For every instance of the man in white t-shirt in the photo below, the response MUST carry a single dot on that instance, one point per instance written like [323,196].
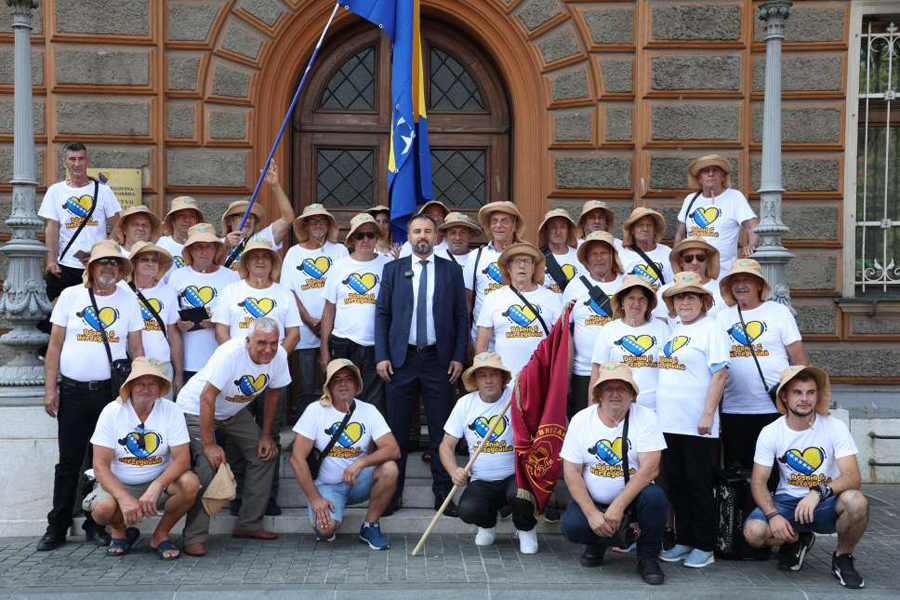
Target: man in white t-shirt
[818,491]
[213,401]
[596,215]
[642,253]
[614,433]
[556,239]
[458,230]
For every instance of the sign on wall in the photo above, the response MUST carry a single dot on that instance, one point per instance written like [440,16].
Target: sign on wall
[125,183]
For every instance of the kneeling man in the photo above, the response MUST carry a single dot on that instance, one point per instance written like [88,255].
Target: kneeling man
[818,491]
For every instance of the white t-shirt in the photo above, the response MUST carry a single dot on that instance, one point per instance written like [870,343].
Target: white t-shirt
[805,458]
[83,356]
[68,206]
[353,289]
[194,290]
[570,266]
[635,265]
[318,423]
[119,428]
[718,221]
[164,301]
[169,244]
[771,328]
[266,233]
[686,365]
[589,318]
[487,280]
[517,332]
[238,379]
[472,419]
[239,305]
[440,248]
[305,272]
[457,259]
[638,348]
[662,310]
[589,442]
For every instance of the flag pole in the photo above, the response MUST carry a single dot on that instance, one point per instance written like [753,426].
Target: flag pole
[468,469]
[232,255]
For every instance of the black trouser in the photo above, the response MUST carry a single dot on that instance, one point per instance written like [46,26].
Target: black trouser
[481,500]
[364,358]
[421,373]
[308,383]
[688,462]
[68,276]
[578,394]
[739,435]
[79,410]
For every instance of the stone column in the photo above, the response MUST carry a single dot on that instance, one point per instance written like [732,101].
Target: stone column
[770,252]
[24,302]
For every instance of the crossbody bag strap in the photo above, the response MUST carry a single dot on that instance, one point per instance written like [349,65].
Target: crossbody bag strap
[475,271]
[752,351]
[84,221]
[102,328]
[597,294]
[531,308]
[626,474]
[649,262]
[554,269]
[338,432]
[162,326]
[687,214]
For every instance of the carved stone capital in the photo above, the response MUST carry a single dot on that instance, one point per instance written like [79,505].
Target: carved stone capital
[22,12]
[774,13]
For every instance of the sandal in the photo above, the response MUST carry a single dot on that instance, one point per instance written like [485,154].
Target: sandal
[120,547]
[166,546]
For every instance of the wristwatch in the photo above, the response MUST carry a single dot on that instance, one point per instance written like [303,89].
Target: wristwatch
[824,491]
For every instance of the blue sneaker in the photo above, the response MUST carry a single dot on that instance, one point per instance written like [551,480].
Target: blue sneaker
[370,533]
[675,553]
[698,559]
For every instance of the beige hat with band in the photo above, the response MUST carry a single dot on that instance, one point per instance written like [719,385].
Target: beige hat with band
[596,237]
[613,371]
[443,206]
[484,216]
[561,213]
[823,385]
[180,203]
[687,281]
[710,160]
[165,259]
[333,367]
[589,206]
[141,366]
[522,248]
[203,232]
[743,265]
[315,210]
[257,244]
[107,249]
[358,221]
[238,207]
[696,243]
[628,282]
[220,491]
[118,232]
[636,215]
[485,360]
[458,219]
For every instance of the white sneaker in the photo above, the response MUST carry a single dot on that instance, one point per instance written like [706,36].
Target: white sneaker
[485,537]
[528,542]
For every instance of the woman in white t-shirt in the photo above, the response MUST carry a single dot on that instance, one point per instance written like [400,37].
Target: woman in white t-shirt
[698,256]
[385,245]
[556,239]
[183,214]
[693,368]
[142,462]
[136,224]
[643,231]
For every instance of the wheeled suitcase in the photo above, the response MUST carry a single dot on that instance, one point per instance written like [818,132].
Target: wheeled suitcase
[734,502]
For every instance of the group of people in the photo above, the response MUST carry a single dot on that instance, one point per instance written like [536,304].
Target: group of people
[669,346]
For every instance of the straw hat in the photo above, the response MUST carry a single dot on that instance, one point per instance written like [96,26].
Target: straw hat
[237,208]
[484,216]
[140,366]
[202,232]
[822,384]
[522,248]
[687,281]
[456,219]
[596,237]
[358,221]
[333,367]
[118,232]
[696,243]
[180,203]
[561,213]
[313,210]
[260,244]
[220,491]
[743,265]
[595,205]
[636,215]
[165,259]
[485,360]
[710,160]
[378,208]
[628,282]
[107,249]
[614,371]
[434,203]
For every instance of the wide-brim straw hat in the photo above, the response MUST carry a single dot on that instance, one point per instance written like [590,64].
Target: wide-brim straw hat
[522,248]
[378,208]
[165,258]
[571,239]
[107,249]
[687,281]
[180,203]
[203,232]
[710,160]
[315,210]
[260,244]
[434,203]
[596,237]
[743,265]
[333,367]
[485,360]
[145,365]
[504,206]
[220,491]
[823,385]
[118,232]
[636,215]
[614,371]
[595,205]
[458,219]
[628,282]
[696,243]
[358,221]
[238,207]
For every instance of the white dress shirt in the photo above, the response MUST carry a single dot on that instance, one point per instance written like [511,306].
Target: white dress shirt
[429,311]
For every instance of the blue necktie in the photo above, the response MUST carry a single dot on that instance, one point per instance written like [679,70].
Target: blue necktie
[422,307]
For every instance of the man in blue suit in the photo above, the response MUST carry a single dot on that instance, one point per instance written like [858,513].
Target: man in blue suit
[421,334]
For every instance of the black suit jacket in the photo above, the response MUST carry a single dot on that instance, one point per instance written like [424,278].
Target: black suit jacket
[394,312]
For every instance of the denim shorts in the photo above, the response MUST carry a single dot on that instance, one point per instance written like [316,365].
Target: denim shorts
[341,494]
[824,515]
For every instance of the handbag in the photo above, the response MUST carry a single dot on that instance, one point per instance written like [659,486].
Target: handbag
[159,321]
[531,307]
[771,391]
[120,369]
[624,535]
[554,269]
[314,458]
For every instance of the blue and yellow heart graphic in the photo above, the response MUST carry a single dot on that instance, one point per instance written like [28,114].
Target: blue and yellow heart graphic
[747,336]
[361,284]
[108,316]
[493,271]
[316,268]
[805,462]
[258,307]
[80,207]
[636,345]
[673,345]
[132,442]
[250,385]
[352,433]
[178,261]
[495,426]
[704,217]
[596,308]
[648,272]
[608,452]
[520,315]
[199,297]
[568,270]
[155,305]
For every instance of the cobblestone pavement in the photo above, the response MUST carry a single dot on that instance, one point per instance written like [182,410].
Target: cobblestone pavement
[295,566]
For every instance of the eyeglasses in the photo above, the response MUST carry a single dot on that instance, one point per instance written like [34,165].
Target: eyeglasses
[107,261]
[689,258]
[522,260]
[361,235]
[150,258]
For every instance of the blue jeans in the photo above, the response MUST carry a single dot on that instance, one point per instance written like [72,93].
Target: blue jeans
[341,494]
[824,516]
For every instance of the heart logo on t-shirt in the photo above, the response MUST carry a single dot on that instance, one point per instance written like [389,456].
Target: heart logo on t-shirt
[636,345]
[108,316]
[676,343]
[520,315]
[567,270]
[316,268]
[747,336]
[596,308]
[155,305]
[132,441]
[199,297]
[608,452]
[493,271]
[361,283]
[705,217]
[493,426]
[648,272]
[250,385]
[177,261]
[258,307]
[80,207]
[805,462]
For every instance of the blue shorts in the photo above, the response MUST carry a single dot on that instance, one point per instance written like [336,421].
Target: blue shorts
[824,516]
[341,494]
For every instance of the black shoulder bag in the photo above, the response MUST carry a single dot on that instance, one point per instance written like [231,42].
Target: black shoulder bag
[687,213]
[597,295]
[554,269]
[624,535]
[650,264]
[120,369]
[162,326]
[84,221]
[771,391]
[314,458]
[531,308]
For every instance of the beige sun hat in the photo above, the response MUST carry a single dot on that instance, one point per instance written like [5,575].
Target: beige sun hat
[522,248]
[333,367]
[165,259]
[457,219]
[687,281]
[743,265]
[220,491]
[710,160]
[107,249]
[571,239]
[180,203]
[203,232]
[260,244]
[434,203]
[378,208]
[823,384]
[596,237]
[145,365]
[594,205]
[363,218]
[636,215]
[237,208]
[118,232]
[504,206]
[314,210]
[628,282]
[696,243]
[485,360]
[614,371]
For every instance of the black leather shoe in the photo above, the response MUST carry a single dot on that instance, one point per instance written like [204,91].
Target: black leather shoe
[452,509]
[395,505]
[272,508]
[593,556]
[51,540]
[96,534]
[650,571]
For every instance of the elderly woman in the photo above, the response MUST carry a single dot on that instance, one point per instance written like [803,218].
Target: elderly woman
[385,245]
[693,368]
[136,224]
[596,215]
[642,254]
[556,239]
[696,255]
[142,463]
[635,338]
[77,356]
[183,214]
[520,314]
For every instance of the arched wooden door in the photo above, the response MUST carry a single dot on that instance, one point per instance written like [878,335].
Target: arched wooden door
[342,126]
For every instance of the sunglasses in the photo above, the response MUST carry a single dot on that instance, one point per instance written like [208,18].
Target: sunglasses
[689,258]
[361,235]
[108,261]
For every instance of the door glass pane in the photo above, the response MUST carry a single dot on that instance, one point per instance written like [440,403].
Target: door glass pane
[459,176]
[452,88]
[345,177]
[352,87]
